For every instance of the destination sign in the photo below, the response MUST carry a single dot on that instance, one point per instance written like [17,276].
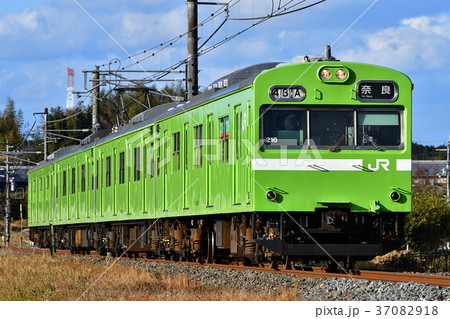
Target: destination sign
[287,93]
[377,91]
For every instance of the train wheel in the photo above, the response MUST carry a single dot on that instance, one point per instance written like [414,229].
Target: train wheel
[274,264]
[211,247]
[287,263]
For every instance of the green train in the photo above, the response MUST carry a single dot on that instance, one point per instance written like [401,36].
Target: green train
[275,162]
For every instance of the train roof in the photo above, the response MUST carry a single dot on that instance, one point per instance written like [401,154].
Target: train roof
[224,85]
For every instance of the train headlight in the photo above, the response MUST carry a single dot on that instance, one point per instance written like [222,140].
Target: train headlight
[340,74]
[325,74]
[271,195]
[394,196]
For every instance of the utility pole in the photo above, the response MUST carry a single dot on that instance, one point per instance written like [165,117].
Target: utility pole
[447,167]
[192,49]
[8,205]
[95,98]
[45,134]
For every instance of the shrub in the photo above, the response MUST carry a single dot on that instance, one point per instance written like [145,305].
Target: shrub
[428,225]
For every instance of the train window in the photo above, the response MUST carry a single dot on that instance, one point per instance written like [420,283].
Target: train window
[224,135]
[64,183]
[73,180]
[92,176]
[198,146]
[152,160]
[284,127]
[186,146]
[176,152]
[333,128]
[379,128]
[158,158]
[122,167]
[96,176]
[137,164]
[108,171]
[83,178]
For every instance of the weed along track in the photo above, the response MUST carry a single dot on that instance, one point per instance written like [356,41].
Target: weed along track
[309,283]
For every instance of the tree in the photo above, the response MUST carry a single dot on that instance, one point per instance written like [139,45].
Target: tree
[428,224]
[426,152]
[10,123]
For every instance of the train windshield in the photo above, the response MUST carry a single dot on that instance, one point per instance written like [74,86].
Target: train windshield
[345,128]
[284,127]
[380,128]
[330,128]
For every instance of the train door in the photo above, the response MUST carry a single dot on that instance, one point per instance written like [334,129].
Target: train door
[106,184]
[57,197]
[71,192]
[165,168]
[98,186]
[149,181]
[209,157]
[91,209]
[114,182]
[185,166]
[247,124]
[144,177]
[236,155]
[79,194]
[50,197]
[158,183]
[121,189]
[136,182]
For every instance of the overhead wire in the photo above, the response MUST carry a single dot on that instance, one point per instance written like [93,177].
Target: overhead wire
[279,11]
[225,40]
[25,138]
[164,45]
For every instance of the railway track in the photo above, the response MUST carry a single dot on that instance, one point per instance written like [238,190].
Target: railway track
[443,281]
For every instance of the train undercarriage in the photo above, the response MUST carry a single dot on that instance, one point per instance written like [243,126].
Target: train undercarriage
[286,238]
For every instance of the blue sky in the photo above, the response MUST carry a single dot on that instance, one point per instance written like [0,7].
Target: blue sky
[41,38]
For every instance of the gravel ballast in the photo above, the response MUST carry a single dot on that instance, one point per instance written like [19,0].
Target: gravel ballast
[308,288]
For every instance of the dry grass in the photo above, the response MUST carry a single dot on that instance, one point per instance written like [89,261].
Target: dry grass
[15,233]
[35,277]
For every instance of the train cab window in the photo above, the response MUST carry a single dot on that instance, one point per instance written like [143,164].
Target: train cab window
[284,126]
[380,128]
[329,128]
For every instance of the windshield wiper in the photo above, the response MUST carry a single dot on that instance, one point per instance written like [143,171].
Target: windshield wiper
[333,148]
[370,139]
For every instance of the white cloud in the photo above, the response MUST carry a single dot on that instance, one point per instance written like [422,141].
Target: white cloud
[418,41]
[14,23]
[137,28]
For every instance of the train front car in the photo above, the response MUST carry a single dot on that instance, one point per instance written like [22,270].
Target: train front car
[332,172]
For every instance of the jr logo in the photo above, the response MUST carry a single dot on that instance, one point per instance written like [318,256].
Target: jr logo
[384,163]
